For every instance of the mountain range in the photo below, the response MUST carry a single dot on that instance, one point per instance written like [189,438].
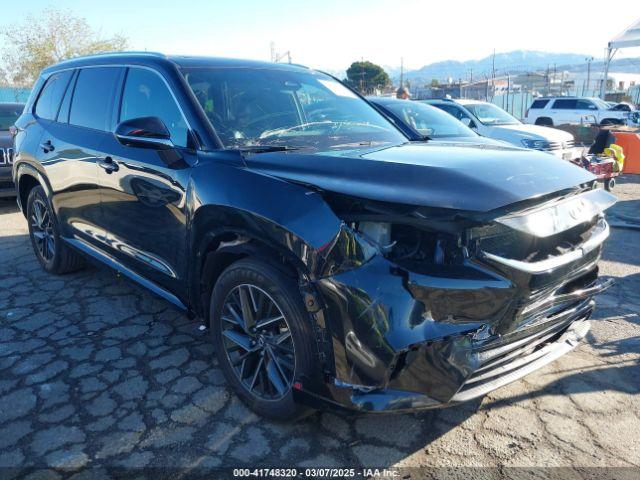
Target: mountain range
[509,62]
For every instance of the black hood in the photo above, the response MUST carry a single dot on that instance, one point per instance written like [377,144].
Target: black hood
[459,176]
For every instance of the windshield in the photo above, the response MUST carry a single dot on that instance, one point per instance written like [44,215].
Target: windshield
[601,104]
[9,113]
[428,120]
[251,107]
[489,114]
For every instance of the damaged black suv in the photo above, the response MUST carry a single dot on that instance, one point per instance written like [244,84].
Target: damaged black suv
[337,262]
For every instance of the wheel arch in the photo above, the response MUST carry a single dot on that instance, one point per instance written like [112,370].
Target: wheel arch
[217,243]
[26,179]
[544,121]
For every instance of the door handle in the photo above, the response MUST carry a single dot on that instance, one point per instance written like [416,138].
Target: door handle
[108,164]
[47,146]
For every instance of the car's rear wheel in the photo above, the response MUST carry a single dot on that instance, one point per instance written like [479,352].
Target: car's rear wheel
[262,337]
[544,122]
[51,252]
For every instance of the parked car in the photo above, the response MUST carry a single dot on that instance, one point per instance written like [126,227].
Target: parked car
[9,113]
[491,121]
[421,121]
[549,111]
[337,263]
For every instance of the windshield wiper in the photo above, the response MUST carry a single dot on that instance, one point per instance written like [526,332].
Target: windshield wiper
[265,148]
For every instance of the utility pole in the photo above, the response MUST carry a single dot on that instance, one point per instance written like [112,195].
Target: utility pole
[548,79]
[493,74]
[589,60]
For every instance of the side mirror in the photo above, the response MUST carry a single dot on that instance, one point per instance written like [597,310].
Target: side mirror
[467,122]
[144,132]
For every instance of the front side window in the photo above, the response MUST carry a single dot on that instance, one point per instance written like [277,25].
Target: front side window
[489,114]
[586,105]
[428,120]
[91,105]
[146,95]
[272,107]
[49,100]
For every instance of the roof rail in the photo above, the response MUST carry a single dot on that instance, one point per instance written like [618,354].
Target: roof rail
[114,54]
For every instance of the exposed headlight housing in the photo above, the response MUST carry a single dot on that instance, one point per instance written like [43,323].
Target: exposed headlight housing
[535,144]
[551,219]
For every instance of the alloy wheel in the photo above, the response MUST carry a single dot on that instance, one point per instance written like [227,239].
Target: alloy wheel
[258,342]
[42,230]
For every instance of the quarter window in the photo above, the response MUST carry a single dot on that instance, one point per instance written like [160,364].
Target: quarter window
[51,95]
[93,97]
[539,104]
[146,95]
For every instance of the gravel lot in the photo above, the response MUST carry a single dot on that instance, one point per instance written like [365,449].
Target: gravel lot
[95,372]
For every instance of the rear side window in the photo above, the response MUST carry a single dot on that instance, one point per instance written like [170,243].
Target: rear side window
[51,95]
[565,104]
[92,101]
[539,104]
[146,95]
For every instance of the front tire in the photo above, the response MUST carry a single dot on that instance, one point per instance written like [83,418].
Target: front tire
[262,337]
[44,231]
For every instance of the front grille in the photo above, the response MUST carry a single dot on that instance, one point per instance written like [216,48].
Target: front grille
[560,145]
[506,242]
[6,156]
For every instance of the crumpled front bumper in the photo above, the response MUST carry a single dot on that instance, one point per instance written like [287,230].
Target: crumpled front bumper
[405,340]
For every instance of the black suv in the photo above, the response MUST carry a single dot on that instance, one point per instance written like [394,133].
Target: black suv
[336,261]
[9,113]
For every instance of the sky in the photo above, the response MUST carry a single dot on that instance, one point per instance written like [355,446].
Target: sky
[330,34]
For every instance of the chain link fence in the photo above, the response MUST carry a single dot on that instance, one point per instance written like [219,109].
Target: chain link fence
[13,94]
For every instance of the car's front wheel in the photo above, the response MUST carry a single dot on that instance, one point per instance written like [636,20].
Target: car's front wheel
[262,337]
[52,253]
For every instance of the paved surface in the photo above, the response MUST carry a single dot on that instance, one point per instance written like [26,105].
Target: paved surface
[95,372]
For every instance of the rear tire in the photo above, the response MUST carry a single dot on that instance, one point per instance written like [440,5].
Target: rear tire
[54,255]
[544,122]
[259,367]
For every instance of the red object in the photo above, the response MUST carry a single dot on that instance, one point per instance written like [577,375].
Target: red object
[630,143]
[601,167]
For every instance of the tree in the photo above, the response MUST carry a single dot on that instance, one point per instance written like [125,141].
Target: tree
[367,76]
[434,82]
[51,37]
